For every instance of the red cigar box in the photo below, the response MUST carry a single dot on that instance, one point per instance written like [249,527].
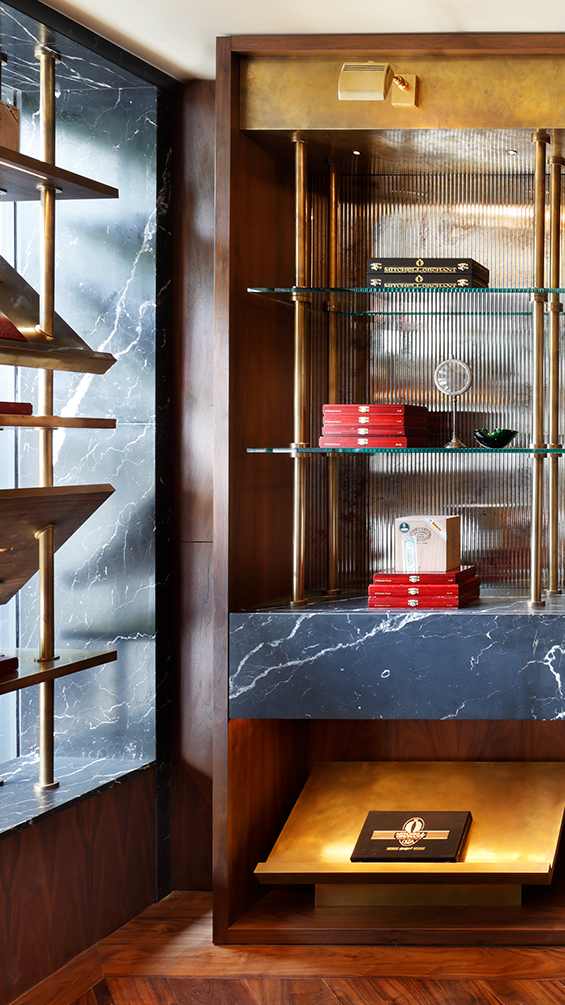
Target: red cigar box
[401,429]
[396,420]
[426,603]
[425,589]
[8,330]
[373,441]
[340,409]
[15,408]
[460,575]
[8,664]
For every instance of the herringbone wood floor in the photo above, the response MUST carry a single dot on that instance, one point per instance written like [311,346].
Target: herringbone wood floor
[166,957]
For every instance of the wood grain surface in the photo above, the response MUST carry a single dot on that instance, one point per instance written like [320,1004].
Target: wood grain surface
[429,43]
[70,880]
[165,956]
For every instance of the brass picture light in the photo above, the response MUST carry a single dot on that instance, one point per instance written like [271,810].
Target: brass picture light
[372,81]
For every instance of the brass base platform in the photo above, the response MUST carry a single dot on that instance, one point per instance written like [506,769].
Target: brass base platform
[517,810]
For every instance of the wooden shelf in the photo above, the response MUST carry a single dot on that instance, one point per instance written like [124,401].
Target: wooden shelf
[65,350]
[25,511]
[55,422]
[288,916]
[69,661]
[20,175]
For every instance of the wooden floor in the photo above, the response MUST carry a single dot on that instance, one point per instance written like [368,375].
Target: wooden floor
[166,957]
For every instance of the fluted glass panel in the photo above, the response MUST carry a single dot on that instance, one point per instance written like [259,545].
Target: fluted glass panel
[390,356]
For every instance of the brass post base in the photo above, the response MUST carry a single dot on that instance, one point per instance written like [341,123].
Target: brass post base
[39,787]
[298,603]
[454,444]
[536,603]
[332,593]
[554,593]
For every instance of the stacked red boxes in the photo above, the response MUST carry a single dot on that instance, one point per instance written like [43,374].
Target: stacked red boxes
[456,588]
[374,426]
[15,408]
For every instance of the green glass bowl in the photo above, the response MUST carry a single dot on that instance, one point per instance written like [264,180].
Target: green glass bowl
[497,439]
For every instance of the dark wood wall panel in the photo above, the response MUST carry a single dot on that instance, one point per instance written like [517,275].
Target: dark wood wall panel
[191,802]
[267,769]
[253,494]
[427,740]
[73,878]
[193,321]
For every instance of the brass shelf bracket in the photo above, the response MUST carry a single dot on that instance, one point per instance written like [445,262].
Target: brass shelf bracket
[333,371]
[540,138]
[555,310]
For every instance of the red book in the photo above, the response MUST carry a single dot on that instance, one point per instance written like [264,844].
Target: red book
[8,330]
[15,408]
[340,409]
[8,664]
[425,589]
[460,575]
[373,441]
[400,429]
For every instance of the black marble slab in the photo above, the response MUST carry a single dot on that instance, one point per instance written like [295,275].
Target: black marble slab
[21,805]
[498,659]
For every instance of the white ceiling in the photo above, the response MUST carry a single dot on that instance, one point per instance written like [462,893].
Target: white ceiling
[178,36]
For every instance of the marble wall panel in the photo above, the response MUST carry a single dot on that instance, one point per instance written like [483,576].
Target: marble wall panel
[105,289]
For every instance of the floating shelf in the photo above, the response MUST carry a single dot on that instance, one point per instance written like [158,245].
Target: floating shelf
[20,175]
[55,422]
[65,350]
[69,661]
[25,511]
[517,810]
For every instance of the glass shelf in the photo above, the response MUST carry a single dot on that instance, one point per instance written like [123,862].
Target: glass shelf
[448,451]
[369,301]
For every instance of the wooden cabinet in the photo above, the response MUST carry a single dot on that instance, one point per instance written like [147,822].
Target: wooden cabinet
[445,189]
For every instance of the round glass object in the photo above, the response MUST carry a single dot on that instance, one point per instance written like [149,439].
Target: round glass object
[452,376]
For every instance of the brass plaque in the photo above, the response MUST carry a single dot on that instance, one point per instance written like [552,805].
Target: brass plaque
[455,92]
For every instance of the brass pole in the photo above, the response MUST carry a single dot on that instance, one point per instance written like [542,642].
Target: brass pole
[540,138]
[300,374]
[555,309]
[47,57]
[333,307]
[46,652]
[46,593]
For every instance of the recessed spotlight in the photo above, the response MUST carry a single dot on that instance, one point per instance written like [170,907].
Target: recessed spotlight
[512,153]
[357,153]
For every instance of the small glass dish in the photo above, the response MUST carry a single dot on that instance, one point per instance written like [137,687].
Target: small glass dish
[497,439]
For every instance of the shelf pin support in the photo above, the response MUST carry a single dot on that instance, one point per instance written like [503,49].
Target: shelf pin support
[555,310]
[333,308]
[300,373]
[541,138]
[48,57]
